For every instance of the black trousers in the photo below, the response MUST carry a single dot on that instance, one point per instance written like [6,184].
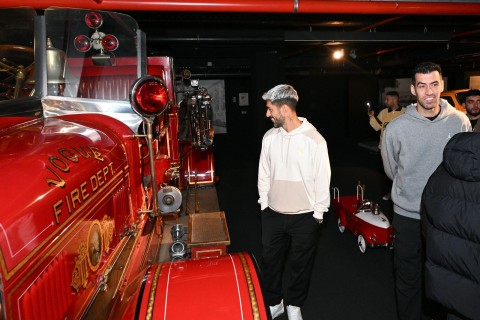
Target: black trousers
[408,265]
[293,237]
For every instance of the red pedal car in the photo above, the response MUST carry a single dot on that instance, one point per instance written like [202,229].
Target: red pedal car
[364,219]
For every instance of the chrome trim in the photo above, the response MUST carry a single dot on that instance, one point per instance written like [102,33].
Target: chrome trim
[295,6]
[121,110]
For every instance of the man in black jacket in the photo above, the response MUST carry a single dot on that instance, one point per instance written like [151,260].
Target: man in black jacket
[451,227]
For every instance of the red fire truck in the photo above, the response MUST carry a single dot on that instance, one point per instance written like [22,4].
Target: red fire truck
[103,215]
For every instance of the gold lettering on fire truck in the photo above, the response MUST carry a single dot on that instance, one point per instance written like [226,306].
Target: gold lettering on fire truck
[68,154]
[80,271]
[59,165]
[79,194]
[107,232]
[90,251]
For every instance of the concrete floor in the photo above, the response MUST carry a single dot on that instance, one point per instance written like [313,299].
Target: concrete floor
[346,284]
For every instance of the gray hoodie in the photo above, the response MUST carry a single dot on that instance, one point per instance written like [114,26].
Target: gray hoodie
[412,149]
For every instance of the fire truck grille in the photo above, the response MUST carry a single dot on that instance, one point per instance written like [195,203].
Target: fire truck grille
[52,285]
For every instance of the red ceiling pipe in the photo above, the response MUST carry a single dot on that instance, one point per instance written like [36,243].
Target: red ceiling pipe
[377,24]
[389,7]
[267,6]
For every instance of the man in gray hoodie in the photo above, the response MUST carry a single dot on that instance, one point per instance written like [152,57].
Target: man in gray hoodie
[412,149]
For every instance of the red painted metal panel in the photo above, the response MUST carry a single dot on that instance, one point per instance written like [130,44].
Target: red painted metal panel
[26,307]
[267,6]
[55,279]
[34,232]
[215,288]
[65,279]
[43,298]
[36,303]
[199,167]
[224,287]
[163,67]
[42,219]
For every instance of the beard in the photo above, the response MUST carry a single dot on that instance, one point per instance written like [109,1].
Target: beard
[278,122]
[473,113]
[428,105]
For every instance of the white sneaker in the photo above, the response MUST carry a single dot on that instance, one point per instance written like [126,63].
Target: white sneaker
[277,310]
[294,313]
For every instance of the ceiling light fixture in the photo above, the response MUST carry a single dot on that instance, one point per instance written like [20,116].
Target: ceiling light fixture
[338,54]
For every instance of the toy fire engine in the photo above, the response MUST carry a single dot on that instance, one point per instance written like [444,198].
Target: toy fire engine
[363,218]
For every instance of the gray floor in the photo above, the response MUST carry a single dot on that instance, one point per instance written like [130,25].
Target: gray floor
[345,284]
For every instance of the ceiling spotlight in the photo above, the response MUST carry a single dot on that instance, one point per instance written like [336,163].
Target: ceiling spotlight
[338,54]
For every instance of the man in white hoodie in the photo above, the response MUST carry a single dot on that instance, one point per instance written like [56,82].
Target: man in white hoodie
[293,184]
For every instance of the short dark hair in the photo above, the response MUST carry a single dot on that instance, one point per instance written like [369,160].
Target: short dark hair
[471,93]
[392,93]
[290,102]
[424,68]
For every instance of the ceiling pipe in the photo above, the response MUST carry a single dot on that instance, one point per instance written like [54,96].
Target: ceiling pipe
[390,7]
[267,6]
[378,24]
[466,33]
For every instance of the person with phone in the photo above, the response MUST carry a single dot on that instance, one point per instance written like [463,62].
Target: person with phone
[392,111]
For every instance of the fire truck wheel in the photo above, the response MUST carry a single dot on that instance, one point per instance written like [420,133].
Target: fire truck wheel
[361,244]
[340,226]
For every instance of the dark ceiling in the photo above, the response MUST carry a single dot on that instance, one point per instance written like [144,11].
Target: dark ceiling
[213,44]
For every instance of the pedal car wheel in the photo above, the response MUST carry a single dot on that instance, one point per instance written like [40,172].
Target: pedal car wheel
[340,227]
[361,243]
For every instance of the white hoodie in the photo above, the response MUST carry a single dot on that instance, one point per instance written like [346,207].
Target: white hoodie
[294,171]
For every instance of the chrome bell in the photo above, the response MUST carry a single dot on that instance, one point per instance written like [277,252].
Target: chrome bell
[55,69]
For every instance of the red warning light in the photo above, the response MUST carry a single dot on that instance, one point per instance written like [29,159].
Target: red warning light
[110,42]
[82,43]
[94,20]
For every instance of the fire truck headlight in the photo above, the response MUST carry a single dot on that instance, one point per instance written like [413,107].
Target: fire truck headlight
[149,96]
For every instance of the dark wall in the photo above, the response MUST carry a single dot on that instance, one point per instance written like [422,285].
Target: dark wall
[323,101]
[334,104]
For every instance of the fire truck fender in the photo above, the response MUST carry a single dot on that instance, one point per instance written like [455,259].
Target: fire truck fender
[224,287]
